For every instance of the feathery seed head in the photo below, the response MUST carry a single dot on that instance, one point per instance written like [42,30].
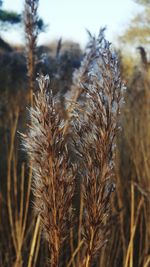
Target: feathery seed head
[53,172]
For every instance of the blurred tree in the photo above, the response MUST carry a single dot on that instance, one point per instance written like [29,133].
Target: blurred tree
[138,32]
[143,2]
[10,17]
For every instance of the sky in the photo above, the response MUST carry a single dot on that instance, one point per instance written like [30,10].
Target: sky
[69,18]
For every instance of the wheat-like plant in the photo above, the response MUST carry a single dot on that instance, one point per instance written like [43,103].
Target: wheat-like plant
[95,141]
[53,172]
[93,135]
[31,34]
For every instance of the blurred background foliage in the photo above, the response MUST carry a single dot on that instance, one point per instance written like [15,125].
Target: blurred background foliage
[138,31]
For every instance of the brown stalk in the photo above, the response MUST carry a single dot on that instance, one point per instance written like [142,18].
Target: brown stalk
[31,34]
[34,240]
[9,201]
[17,216]
[129,250]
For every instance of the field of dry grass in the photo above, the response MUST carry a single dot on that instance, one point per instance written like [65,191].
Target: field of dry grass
[74,166]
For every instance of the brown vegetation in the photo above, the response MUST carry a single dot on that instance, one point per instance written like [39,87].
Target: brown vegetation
[73,165]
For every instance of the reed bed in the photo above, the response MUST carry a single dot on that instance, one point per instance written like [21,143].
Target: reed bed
[83,198]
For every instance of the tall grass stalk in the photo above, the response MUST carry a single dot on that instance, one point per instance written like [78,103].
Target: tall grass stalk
[52,169]
[31,34]
[96,130]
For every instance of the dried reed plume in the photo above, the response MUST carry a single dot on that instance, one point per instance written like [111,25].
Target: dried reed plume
[31,34]
[52,170]
[80,76]
[95,141]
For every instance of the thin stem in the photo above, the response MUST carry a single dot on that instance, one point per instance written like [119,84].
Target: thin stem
[34,240]
[89,256]
[75,252]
